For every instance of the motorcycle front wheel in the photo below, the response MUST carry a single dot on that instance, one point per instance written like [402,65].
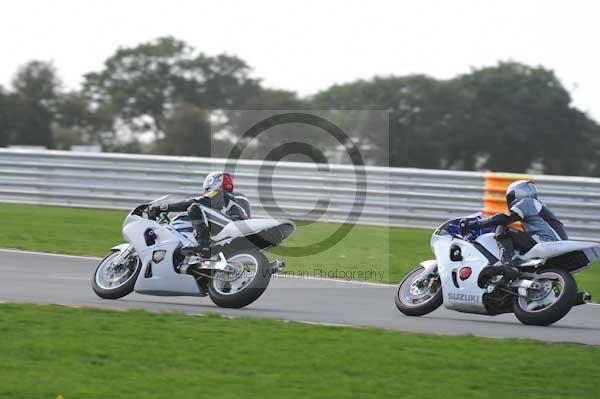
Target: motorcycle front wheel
[414,300]
[246,285]
[115,280]
[550,301]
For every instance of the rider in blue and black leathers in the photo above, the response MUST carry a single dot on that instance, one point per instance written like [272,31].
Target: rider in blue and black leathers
[538,220]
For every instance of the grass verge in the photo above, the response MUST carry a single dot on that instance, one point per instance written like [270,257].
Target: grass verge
[85,353]
[365,253]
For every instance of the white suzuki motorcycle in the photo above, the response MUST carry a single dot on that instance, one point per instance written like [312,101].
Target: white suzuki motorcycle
[152,263]
[543,294]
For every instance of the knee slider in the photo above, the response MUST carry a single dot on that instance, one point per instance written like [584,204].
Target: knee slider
[501,232]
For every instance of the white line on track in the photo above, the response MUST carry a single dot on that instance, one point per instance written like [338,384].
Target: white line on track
[299,278]
[335,280]
[19,251]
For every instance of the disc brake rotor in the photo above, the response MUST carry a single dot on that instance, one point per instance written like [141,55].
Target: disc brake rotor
[420,289]
[543,296]
[114,274]
[235,272]
[540,293]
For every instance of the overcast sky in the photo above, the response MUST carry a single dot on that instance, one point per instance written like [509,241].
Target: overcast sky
[308,45]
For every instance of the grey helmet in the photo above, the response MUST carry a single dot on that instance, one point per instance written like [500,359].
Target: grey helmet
[519,190]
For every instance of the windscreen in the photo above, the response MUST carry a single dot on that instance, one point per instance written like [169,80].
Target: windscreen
[168,199]
[451,227]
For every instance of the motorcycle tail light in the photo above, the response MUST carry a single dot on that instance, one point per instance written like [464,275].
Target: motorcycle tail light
[465,273]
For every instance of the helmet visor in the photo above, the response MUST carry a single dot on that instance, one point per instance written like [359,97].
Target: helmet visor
[510,198]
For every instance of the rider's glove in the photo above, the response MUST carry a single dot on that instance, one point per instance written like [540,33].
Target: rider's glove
[468,225]
[154,210]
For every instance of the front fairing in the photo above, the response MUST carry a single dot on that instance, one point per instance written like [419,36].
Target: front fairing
[158,275]
[140,212]
[461,295]
[129,220]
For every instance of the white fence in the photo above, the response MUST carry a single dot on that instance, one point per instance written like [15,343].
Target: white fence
[337,193]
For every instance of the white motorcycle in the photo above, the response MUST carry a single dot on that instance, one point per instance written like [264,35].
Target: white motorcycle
[543,294]
[152,263]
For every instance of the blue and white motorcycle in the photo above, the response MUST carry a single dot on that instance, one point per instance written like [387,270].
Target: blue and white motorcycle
[151,262]
[543,294]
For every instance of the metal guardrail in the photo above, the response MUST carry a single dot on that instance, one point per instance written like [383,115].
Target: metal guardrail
[333,193]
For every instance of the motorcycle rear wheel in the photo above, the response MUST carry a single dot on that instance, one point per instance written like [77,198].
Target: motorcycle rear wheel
[552,307]
[248,287]
[417,305]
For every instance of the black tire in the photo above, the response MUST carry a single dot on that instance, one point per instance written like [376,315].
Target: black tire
[117,292]
[252,291]
[554,312]
[420,309]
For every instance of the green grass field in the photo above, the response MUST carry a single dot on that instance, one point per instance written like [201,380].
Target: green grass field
[47,351]
[372,253]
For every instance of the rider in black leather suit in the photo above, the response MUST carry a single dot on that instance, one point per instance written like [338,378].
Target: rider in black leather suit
[219,195]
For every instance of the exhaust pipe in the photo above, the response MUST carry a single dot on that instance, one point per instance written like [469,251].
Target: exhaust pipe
[277,265]
[582,298]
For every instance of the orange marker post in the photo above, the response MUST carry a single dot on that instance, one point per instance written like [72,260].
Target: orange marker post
[494,195]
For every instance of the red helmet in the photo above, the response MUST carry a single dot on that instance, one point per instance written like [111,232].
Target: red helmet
[218,180]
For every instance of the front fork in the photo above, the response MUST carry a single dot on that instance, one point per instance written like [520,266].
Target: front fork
[423,280]
[125,251]
[430,268]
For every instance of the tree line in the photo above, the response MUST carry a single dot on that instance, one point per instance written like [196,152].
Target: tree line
[166,97]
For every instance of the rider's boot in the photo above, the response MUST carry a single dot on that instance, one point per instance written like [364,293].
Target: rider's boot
[201,251]
[503,272]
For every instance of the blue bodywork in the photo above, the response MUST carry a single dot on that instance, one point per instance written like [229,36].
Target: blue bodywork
[182,223]
[453,228]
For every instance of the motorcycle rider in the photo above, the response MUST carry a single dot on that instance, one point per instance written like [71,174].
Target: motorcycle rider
[539,222]
[218,195]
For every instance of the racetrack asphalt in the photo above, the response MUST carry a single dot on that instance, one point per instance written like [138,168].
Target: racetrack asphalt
[65,280]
